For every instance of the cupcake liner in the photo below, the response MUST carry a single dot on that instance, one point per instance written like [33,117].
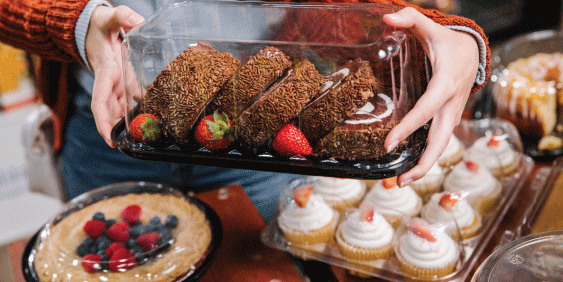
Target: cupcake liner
[473,229]
[356,253]
[425,273]
[318,236]
[486,204]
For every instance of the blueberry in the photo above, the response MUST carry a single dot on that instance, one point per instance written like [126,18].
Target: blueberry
[82,250]
[110,222]
[136,231]
[88,241]
[165,236]
[92,249]
[171,221]
[155,220]
[131,243]
[105,262]
[101,252]
[99,216]
[103,242]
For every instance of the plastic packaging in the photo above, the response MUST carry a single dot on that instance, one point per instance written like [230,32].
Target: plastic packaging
[131,244]
[344,84]
[462,242]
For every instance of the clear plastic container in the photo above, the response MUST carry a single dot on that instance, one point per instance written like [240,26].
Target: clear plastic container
[344,82]
[399,207]
[134,247]
[526,84]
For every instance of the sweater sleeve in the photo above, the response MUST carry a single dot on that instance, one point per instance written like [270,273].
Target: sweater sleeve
[42,27]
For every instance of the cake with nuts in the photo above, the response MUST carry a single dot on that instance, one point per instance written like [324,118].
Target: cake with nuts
[134,237]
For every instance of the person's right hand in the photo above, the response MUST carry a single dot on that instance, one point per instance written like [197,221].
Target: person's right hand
[103,50]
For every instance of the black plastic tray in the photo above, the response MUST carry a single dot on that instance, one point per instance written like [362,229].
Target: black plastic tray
[193,274]
[237,157]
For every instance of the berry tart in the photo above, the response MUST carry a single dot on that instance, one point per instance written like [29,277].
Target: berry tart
[128,237]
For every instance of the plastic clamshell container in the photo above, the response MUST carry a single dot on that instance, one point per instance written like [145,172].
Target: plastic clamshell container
[466,247]
[171,259]
[526,85]
[344,84]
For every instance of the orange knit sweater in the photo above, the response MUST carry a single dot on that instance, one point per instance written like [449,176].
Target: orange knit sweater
[46,28]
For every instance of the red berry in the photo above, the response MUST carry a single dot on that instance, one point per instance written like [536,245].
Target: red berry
[367,212]
[145,128]
[113,247]
[131,214]
[290,141]
[148,240]
[94,228]
[420,228]
[471,166]
[214,131]
[121,260]
[448,200]
[389,183]
[118,232]
[495,140]
[91,263]
[301,195]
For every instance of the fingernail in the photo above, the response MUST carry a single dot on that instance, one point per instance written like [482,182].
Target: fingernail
[405,182]
[392,146]
[394,17]
[135,19]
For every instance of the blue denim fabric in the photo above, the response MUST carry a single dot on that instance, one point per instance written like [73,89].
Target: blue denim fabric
[88,162]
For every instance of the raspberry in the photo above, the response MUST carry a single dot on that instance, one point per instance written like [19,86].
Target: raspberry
[91,263]
[121,259]
[118,232]
[113,247]
[148,240]
[94,228]
[131,214]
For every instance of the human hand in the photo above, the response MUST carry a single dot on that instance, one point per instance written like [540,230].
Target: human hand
[103,50]
[454,56]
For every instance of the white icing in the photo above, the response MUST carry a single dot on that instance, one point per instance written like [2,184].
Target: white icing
[334,189]
[454,146]
[493,157]
[394,201]
[315,215]
[434,175]
[463,214]
[469,183]
[370,235]
[368,108]
[425,254]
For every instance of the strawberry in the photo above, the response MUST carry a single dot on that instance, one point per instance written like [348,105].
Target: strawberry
[366,212]
[94,228]
[301,195]
[472,166]
[448,200]
[121,260]
[91,263]
[145,128]
[113,247]
[131,214]
[148,240]
[420,228]
[118,232]
[290,141]
[389,183]
[214,131]
[495,140]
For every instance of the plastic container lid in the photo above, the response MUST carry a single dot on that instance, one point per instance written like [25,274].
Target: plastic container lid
[537,257]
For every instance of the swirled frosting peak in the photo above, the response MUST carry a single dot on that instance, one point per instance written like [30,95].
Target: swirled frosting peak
[393,201]
[315,214]
[337,189]
[447,207]
[492,151]
[370,234]
[471,179]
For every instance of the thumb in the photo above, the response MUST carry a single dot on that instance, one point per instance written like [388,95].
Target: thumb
[123,17]
[410,18]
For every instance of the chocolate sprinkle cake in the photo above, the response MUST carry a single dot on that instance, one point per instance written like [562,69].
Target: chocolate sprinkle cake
[279,104]
[261,70]
[361,137]
[345,92]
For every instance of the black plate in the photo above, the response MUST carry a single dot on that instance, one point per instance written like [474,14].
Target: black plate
[30,275]
[388,166]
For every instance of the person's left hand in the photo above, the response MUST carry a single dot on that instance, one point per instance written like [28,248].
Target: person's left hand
[454,56]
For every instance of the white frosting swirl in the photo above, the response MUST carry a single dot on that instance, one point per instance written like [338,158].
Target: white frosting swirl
[434,175]
[461,212]
[493,157]
[334,189]
[394,201]
[425,254]
[469,183]
[454,146]
[368,108]
[315,215]
[370,235]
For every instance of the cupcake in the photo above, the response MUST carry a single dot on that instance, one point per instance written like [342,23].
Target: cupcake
[453,153]
[365,235]
[430,183]
[393,202]
[425,252]
[308,220]
[481,189]
[339,193]
[451,209]
[495,153]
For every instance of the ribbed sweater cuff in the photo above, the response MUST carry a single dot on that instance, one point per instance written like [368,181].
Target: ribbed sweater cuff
[82,27]
[60,22]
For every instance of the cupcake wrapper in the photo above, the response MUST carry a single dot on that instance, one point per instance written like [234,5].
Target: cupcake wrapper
[488,203]
[319,236]
[362,254]
[425,273]
[471,230]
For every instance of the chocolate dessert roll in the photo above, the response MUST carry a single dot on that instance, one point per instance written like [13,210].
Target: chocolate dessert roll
[345,92]
[260,71]
[182,90]
[361,136]
[279,104]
